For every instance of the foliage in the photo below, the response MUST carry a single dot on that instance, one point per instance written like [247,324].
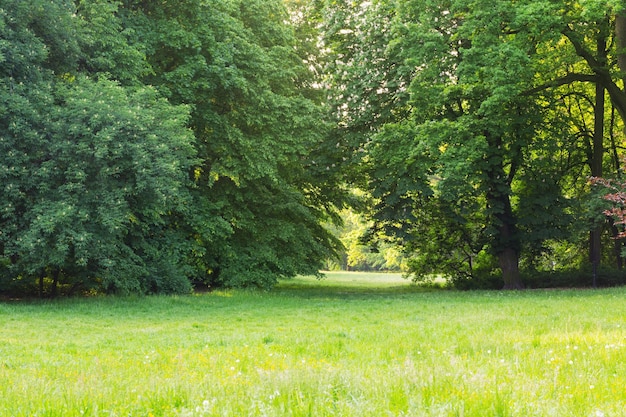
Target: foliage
[206,142]
[148,146]
[498,117]
[616,196]
[359,254]
[469,76]
[255,122]
[109,46]
[94,175]
[366,81]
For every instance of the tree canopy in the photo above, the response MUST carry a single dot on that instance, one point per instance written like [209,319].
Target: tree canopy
[150,146]
[155,146]
[480,163]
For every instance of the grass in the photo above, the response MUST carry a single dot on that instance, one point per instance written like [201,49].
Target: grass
[350,345]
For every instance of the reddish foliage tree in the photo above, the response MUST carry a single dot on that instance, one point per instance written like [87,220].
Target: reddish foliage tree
[617,196]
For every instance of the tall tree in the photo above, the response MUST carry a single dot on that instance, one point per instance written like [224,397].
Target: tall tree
[470,120]
[255,120]
[477,163]
[94,175]
[584,59]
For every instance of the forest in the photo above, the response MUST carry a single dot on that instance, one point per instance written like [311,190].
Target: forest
[159,146]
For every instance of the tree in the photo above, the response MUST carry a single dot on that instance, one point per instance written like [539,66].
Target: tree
[358,253]
[461,108]
[255,120]
[468,130]
[94,175]
[584,61]
[238,204]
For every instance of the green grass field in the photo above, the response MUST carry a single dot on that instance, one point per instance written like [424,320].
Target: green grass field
[350,345]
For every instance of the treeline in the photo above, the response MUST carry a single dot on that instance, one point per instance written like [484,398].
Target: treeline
[359,253]
[150,147]
[477,125]
[156,146]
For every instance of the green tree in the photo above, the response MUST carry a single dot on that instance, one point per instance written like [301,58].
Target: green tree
[475,119]
[580,76]
[94,178]
[255,119]
[359,253]
[470,124]
[446,168]
[94,175]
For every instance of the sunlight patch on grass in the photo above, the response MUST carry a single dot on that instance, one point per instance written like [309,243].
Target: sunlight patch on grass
[321,351]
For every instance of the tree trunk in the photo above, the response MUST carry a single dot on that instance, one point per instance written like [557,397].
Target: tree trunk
[55,282]
[509,264]
[618,96]
[599,66]
[620,41]
[595,236]
[506,244]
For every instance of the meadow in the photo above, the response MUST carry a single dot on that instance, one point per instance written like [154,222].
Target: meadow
[350,345]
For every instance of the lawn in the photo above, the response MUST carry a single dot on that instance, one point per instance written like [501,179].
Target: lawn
[350,345]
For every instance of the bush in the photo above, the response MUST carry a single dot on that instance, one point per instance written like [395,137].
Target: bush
[573,278]
[480,281]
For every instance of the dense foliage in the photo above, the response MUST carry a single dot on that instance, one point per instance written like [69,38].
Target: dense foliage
[151,146]
[489,119]
[156,146]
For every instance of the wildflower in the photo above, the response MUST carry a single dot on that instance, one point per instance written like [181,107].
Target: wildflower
[273,395]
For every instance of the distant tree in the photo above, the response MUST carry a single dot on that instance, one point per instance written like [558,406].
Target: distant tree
[360,252]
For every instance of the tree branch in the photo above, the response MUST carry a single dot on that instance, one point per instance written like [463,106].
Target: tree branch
[618,96]
[567,79]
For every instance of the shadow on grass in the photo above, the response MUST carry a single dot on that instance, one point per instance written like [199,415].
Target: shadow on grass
[333,290]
